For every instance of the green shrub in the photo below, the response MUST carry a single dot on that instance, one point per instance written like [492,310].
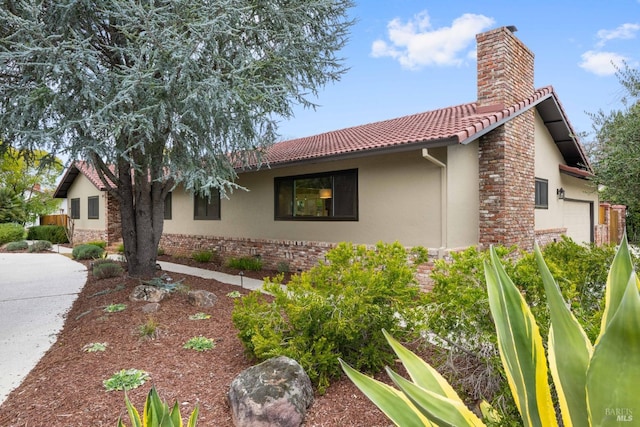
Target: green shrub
[120,248]
[459,317]
[283,267]
[11,232]
[40,246]
[100,243]
[17,246]
[337,308]
[245,263]
[107,269]
[203,256]
[87,251]
[53,233]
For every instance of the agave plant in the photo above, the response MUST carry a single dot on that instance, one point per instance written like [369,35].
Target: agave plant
[596,384]
[157,413]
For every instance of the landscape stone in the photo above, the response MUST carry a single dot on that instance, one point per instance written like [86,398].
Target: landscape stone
[277,392]
[202,298]
[152,307]
[147,293]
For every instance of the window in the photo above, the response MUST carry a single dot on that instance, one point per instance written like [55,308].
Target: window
[330,196]
[542,193]
[75,208]
[207,208]
[167,206]
[93,205]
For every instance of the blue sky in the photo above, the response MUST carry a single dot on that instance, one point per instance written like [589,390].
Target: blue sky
[410,56]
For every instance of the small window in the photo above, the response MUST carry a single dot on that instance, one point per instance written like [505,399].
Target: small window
[75,208]
[207,208]
[167,206]
[542,193]
[93,204]
[330,196]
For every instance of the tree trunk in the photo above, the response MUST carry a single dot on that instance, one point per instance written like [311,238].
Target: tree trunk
[142,211]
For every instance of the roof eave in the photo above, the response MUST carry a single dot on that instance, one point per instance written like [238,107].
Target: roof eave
[400,148]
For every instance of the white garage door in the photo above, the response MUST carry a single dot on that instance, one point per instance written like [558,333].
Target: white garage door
[577,220]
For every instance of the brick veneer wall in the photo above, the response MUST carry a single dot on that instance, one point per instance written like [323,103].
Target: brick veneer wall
[299,255]
[506,154]
[551,235]
[113,221]
[84,236]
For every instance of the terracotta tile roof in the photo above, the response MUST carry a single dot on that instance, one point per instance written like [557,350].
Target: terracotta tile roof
[91,174]
[456,124]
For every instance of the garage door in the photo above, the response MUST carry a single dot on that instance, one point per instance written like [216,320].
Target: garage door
[577,219]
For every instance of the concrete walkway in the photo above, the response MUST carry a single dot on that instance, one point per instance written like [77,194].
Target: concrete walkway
[36,292]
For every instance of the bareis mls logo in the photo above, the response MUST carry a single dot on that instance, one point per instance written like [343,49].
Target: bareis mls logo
[624,415]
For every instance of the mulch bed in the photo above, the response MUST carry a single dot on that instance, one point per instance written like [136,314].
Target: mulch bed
[66,387]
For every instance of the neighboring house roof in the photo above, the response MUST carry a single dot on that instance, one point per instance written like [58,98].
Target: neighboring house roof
[458,124]
[72,172]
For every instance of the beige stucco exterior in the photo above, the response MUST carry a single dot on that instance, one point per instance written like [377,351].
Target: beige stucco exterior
[399,199]
[82,189]
[577,191]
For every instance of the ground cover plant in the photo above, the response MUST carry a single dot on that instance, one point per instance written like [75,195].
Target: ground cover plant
[338,308]
[245,263]
[21,245]
[126,379]
[87,251]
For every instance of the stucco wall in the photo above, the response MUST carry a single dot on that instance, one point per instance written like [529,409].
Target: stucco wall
[399,199]
[463,195]
[548,157]
[83,188]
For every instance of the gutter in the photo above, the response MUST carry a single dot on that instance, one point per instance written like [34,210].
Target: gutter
[443,199]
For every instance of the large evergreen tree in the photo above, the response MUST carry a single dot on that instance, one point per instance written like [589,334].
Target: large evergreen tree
[163,91]
[616,150]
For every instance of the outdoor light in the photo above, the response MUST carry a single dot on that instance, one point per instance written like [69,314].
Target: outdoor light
[325,193]
[560,193]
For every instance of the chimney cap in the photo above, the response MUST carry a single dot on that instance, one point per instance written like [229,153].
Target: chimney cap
[512,28]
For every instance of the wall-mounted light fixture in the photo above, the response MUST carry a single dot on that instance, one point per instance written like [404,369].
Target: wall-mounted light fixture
[325,193]
[560,193]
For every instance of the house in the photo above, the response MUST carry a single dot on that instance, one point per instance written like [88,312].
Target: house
[504,169]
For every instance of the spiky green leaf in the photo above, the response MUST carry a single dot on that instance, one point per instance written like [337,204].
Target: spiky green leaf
[393,403]
[439,409]
[520,347]
[569,352]
[614,372]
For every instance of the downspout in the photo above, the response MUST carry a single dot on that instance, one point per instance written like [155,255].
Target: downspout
[443,199]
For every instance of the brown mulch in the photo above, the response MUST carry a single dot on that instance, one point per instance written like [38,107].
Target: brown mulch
[66,386]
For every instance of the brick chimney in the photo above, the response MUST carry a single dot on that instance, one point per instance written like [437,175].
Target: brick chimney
[506,154]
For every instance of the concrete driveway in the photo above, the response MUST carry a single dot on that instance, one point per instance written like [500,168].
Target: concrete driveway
[36,291]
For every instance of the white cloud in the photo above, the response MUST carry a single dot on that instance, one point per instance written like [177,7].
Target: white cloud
[624,31]
[416,44]
[601,63]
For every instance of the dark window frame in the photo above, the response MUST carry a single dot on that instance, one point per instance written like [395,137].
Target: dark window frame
[542,193]
[212,208]
[168,205]
[344,188]
[93,207]
[74,209]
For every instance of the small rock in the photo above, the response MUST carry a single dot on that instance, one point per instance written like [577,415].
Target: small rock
[152,307]
[202,298]
[275,393]
[147,293]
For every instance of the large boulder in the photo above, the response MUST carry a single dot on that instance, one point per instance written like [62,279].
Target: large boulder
[277,392]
